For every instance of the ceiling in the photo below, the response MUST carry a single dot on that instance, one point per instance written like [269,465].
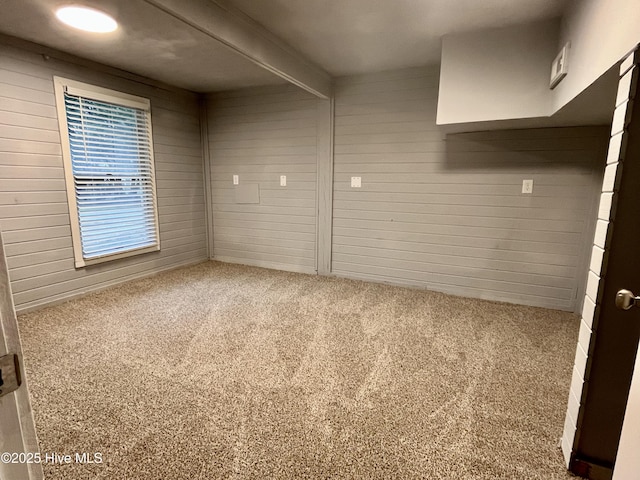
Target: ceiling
[149,42]
[357,36]
[341,36]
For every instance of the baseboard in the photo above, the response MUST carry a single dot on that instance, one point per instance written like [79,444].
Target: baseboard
[454,290]
[262,264]
[56,300]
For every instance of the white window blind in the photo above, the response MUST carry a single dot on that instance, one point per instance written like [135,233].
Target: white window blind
[112,172]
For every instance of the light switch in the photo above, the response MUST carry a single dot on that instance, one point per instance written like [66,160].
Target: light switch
[527,186]
[236,180]
[283,180]
[356,182]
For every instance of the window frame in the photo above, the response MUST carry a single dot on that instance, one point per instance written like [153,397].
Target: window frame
[93,92]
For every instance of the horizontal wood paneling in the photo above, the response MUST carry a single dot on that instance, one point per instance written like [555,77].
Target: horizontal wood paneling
[447,212]
[260,134]
[34,215]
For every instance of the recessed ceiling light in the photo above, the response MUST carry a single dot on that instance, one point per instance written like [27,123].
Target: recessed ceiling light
[87,19]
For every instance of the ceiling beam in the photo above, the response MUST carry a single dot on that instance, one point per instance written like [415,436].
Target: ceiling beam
[246,37]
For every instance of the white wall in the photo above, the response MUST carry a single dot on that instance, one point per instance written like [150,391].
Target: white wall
[503,74]
[34,215]
[497,74]
[445,215]
[448,215]
[601,33]
[261,134]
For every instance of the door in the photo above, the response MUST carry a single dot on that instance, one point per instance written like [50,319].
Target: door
[613,341]
[627,463]
[17,431]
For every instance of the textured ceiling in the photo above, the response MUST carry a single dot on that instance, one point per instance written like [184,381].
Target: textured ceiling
[342,36]
[149,42]
[357,36]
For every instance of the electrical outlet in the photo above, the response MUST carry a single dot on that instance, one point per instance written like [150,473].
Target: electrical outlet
[527,186]
[283,180]
[356,182]
[236,180]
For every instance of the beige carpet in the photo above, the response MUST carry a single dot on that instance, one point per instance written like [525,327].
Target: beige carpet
[223,371]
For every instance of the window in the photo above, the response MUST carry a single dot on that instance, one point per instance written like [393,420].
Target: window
[109,171]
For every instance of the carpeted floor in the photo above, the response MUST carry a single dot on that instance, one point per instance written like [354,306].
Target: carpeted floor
[226,371]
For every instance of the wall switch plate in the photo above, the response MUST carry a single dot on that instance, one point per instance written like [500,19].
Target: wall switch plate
[283,180]
[356,182]
[236,180]
[527,186]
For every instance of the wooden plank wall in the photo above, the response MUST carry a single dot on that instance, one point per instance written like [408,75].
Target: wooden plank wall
[261,134]
[33,210]
[444,213]
[447,213]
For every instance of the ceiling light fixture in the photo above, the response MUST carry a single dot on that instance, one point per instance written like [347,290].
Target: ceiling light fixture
[87,19]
